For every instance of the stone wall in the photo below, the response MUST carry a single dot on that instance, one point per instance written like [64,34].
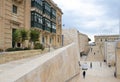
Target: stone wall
[118,59]
[70,36]
[83,43]
[16,55]
[58,66]
[109,52]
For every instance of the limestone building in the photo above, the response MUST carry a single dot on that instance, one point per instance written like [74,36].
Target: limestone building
[100,43]
[83,43]
[43,15]
[117,59]
[102,38]
[109,52]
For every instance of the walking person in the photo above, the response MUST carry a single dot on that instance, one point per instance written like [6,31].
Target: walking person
[84,73]
[100,64]
[91,65]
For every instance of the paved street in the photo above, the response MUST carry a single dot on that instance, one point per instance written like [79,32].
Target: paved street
[99,72]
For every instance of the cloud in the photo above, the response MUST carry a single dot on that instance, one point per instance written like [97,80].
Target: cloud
[91,17]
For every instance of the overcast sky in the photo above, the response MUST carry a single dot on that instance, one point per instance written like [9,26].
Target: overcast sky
[91,17]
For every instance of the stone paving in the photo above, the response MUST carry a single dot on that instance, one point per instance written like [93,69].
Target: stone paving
[10,65]
[99,72]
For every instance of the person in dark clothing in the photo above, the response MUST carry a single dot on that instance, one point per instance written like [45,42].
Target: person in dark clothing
[91,65]
[84,73]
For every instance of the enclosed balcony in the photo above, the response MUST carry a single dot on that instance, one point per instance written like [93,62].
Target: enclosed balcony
[37,4]
[53,30]
[46,8]
[53,14]
[46,25]
[36,20]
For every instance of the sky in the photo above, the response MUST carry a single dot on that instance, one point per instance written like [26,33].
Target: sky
[91,17]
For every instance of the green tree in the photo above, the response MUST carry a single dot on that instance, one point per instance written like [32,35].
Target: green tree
[24,36]
[34,35]
[16,37]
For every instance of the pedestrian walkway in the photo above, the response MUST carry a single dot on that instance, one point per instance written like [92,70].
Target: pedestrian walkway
[99,74]
[99,71]
[10,65]
[94,57]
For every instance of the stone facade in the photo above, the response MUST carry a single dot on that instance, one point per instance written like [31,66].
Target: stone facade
[103,38]
[17,14]
[117,58]
[14,14]
[83,43]
[100,42]
[109,53]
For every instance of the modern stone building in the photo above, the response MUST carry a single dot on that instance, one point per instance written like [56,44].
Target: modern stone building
[43,15]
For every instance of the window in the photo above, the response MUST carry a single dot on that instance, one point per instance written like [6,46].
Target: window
[47,7]
[53,25]
[54,12]
[40,19]
[14,9]
[36,3]
[47,22]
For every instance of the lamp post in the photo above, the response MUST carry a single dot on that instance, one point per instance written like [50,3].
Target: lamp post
[119,23]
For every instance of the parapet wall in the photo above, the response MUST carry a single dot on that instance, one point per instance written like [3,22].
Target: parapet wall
[16,55]
[58,66]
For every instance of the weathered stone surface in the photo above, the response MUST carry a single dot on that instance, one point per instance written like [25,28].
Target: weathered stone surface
[83,43]
[70,36]
[16,55]
[110,52]
[57,66]
[118,59]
